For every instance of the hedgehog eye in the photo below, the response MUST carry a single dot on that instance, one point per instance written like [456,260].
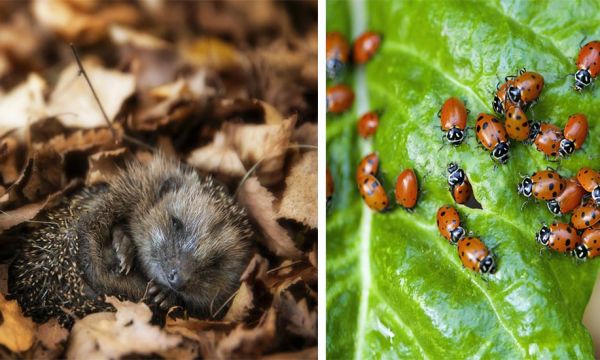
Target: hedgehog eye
[177,224]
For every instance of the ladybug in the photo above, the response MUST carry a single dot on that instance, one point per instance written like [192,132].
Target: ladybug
[453,120]
[575,133]
[330,186]
[456,175]
[543,185]
[547,139]
[448,223]
[559,237]
[588,65]
[369,165]
[590,181]
[474,255]
[368,123]
[517,126]
[339,98]
[500,97]
[373,193]
[590,244]
[585,216]
[534,130]
[407,189]
[365,47]
[492,135]
[526,88]
[337,54]
[462,192]
[568,200]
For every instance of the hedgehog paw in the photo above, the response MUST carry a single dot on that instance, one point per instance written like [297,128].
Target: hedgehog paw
[124,249]
[162,297]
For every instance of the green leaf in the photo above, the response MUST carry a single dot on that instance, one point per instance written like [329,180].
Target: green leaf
[395,287]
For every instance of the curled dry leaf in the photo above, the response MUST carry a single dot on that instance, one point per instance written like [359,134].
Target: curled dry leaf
[241,304]
[42,175]
[213,53]
[217,157]
[104,164]
[299,199]
[113,335]
[246,342]
[16,331]
[82,140]
[298,318]
[306,354]
[259,203]
[11,151]
[72,100]
[306,134]
[122,35]
[23,105]
[51,340]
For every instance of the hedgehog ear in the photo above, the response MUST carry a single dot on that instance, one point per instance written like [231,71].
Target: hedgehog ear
[168,185]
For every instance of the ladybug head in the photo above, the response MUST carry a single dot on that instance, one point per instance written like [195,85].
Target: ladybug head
[452,167]
[534,130]
[457,234]
[553,206]
[487,265]
[500,152]
[457,176]
[596,195]
[497,105]
[566,147]
[525,187]
[455,136]
[580,251]
[514,94]
[543,236]
[334,68]
[583,78]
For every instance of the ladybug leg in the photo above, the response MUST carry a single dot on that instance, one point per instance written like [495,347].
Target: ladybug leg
[522,71]
[439,113]
[582,41]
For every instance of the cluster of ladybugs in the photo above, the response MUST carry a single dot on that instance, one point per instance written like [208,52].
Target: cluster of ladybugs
[579,195]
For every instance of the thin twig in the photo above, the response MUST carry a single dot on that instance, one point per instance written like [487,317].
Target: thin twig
[284,266]
[224,304]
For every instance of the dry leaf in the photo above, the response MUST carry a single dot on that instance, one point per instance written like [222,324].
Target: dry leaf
[298,319]
[299,200]
[23,105]
[113,335]
[217,157]
[122,35]
[104,164]
[72,100]
[306,134]
[306,354]
[11,153]
[259,203]
[82,140]
[245,342]
[213,53]
[241,304]
[16,331]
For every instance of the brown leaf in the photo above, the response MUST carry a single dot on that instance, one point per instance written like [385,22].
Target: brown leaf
[217,157]
[297,318]
[243,342]
[299,200]
[104,164]
[259,203]
[122,35]
[113,335]
[306,354]
[23,105]
[241,305]
[51,335]
[213,53]
[16,331]
[42,175]
[12,152]
[256,269]
[82,140]
[306,134]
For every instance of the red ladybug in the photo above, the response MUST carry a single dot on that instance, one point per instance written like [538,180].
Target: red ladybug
[526,88]
[559,237]
[453,120]
[330,186]
[462,192]
[588,65]
[590,181]
[339,98]
[575,133]
[590,244]
[500,97]
[448,223]
[337,54]
[475,255]
[368,123]
[517,126]
[585,216]
[365,47]
[492,135]
[369,165]
[407,189]
[547,139]
[543,185]
[373,193]
[569,199]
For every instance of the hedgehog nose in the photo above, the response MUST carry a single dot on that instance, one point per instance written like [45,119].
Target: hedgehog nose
[175,280]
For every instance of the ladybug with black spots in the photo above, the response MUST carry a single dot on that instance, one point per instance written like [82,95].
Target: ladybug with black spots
[449,225]
[492,135]
[407,189]
[369,165]
[339,98]
[365,47]
[590,181]
[590,244]
[453,120]
[568,200]
[475,255]
[525,88]
[516,124]
[559,237]
[543,185]
[500,97]
[337,54]
[373,193]
[547,139]
[575,133]
[588,65]
[585,215]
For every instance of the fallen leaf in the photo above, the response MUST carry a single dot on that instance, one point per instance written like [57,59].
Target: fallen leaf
[82,140]
[104,164]
[259,203]
[213,53]
[306,354]
[52,336]
[244,342]
[256,269]
[241,304]
[297,318]
[217,157]
[12,152]
[299,199]
[23,105]
[122,35]
[306,134]
[16,331]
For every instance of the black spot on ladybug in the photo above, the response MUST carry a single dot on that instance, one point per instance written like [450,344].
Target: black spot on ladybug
[518,128]
[551,176]
[554,194]
[554,146]
[485,125]
[551,186]
[561,186]
[480,117]
[537,87]
[495,120]
[582,213]
[587,223]
[568,242]
[468,244]
[532,76]
[569,230]
[478,128]
[518,117]
[443,213]
[553,153]
[463,253]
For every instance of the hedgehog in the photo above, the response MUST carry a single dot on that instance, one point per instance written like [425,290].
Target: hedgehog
[158,232]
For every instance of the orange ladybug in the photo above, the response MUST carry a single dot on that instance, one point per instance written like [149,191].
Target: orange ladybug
[367,124]
[339,98]
[590,181]
[492,135]
[475,255]
[448,223]
[500,97]
[569,199]
[543,185]
[517,126]
[585,216]
[547,139]
[407,189]
[365,47]
[462,192]
[453,120]
[526,88]
[575,133]
[588,65]
[559,237]
[337,54]
[590,244]
[373,193]
[369,165]
[330,185]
